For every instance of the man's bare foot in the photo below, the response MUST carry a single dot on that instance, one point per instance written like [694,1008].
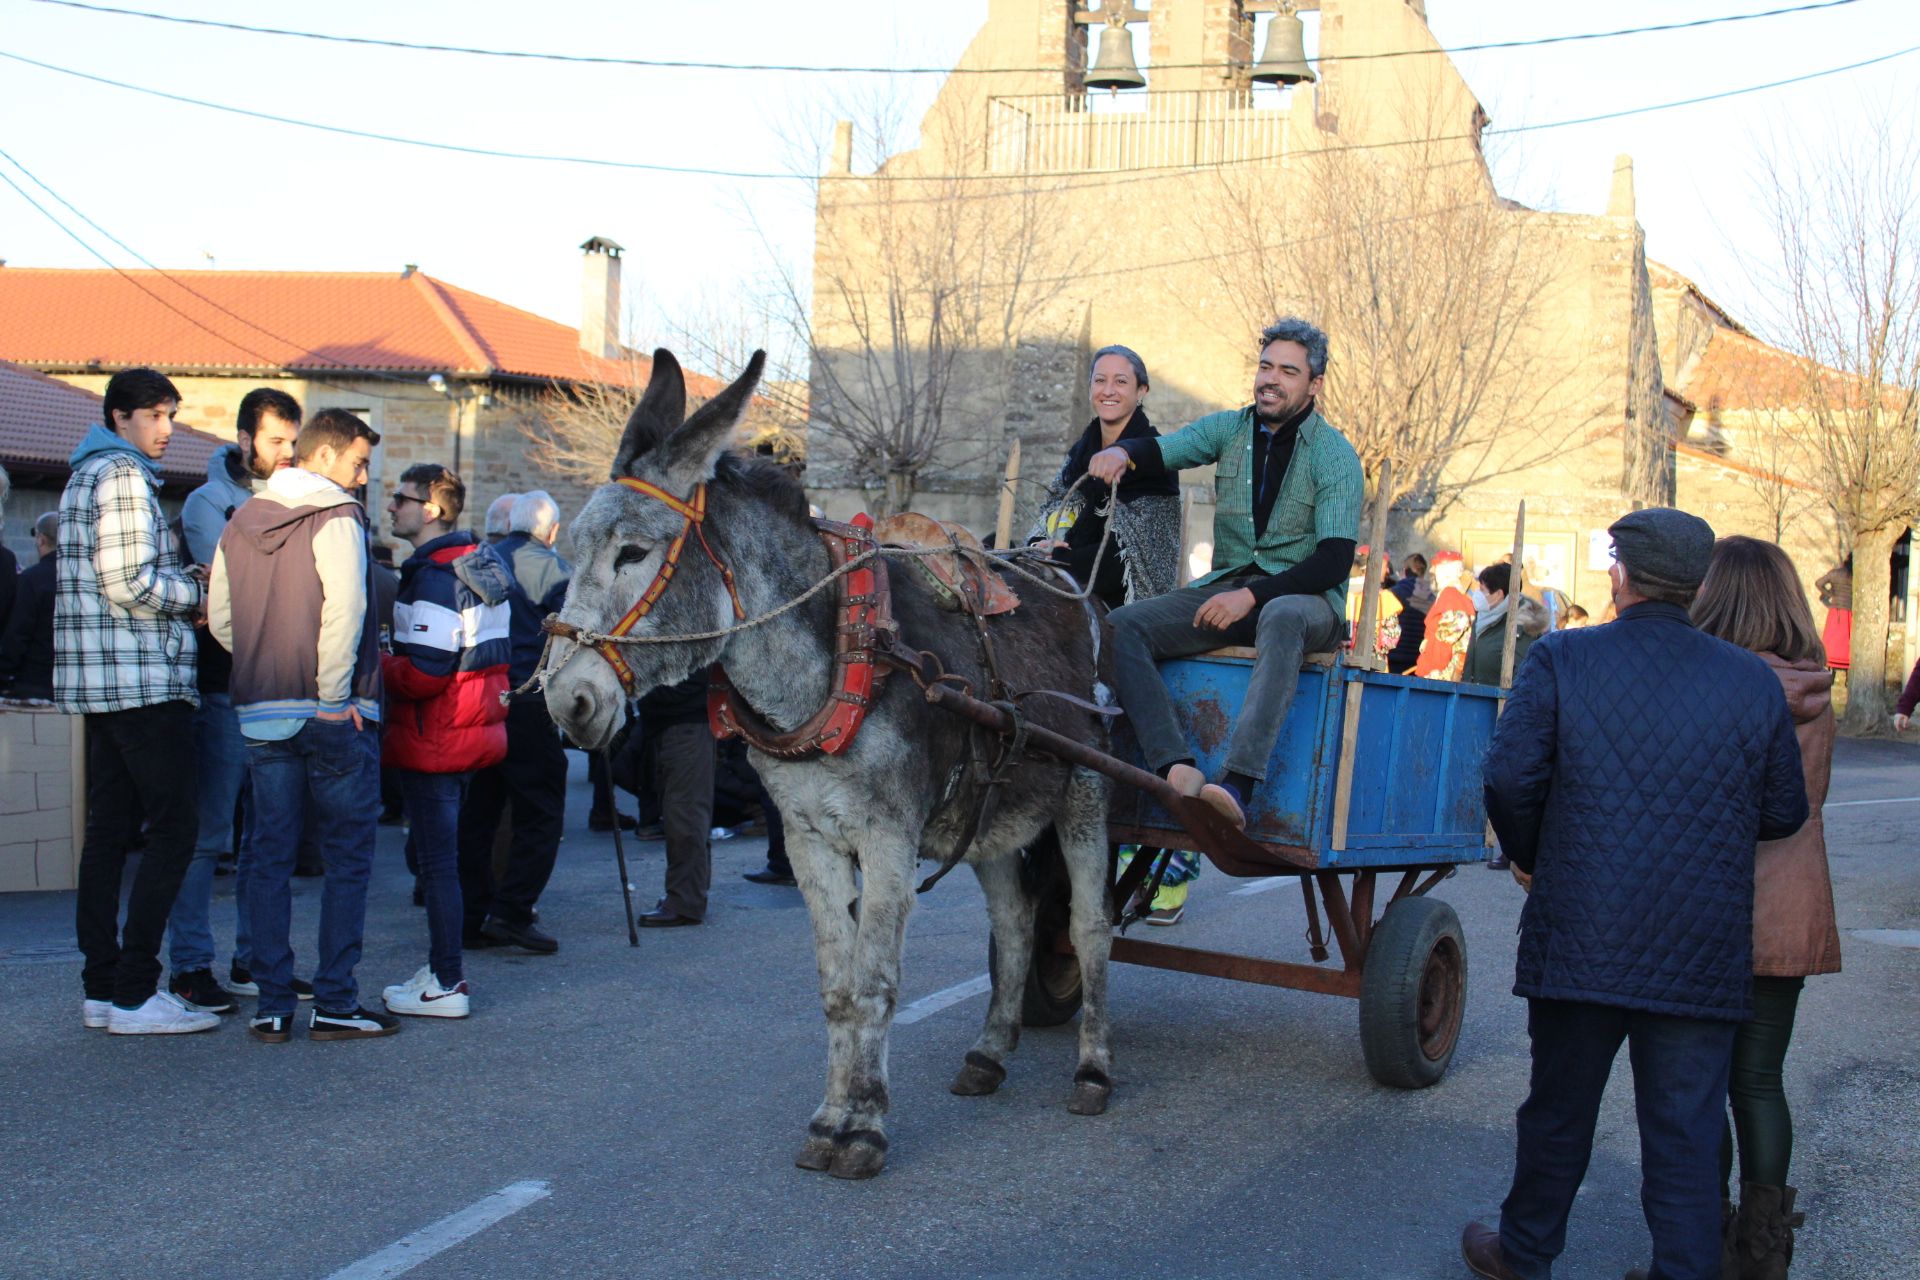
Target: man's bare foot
[1224,804]
[1186,779]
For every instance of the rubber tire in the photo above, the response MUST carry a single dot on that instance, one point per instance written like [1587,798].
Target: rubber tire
[1416,969]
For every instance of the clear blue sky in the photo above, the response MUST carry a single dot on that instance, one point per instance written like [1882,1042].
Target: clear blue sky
[177,182]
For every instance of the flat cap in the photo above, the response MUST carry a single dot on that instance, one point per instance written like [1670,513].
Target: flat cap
[1663,544]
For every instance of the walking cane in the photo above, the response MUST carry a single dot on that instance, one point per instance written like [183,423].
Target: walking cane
[620,856]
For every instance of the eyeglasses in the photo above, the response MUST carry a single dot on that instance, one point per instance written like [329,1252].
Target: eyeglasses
[407,497]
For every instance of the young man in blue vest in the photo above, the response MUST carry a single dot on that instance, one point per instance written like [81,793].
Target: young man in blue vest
[1288,490]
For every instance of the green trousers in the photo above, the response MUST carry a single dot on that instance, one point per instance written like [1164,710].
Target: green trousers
[1755,1088]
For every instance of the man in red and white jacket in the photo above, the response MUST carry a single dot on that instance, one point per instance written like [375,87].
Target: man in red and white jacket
[446,683]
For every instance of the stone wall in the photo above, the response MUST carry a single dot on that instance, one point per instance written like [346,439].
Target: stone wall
[42,755]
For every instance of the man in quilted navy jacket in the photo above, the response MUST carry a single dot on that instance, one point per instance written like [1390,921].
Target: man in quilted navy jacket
[1634,770]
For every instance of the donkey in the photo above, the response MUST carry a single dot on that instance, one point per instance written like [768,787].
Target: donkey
[857,822]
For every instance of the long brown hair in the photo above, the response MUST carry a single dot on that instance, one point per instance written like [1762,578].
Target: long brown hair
[1752,597]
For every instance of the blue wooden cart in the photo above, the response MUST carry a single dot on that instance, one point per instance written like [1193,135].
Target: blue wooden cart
[1372,774]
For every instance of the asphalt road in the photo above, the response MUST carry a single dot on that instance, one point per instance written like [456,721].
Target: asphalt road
[656,1097]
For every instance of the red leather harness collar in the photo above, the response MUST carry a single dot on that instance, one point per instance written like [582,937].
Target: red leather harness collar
[864,602]
[866,623]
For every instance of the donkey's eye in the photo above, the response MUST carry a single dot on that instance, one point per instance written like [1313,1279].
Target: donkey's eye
[629,554]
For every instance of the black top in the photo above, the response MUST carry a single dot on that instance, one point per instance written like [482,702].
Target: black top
[1083,539]
[26,643]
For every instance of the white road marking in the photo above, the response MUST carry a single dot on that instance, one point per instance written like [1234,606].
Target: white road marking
[927,1006]
[1261,886]
[1848,804]
[1891,937]
[409,1252]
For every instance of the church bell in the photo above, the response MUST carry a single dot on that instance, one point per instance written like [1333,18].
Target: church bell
[1115,68]
[1285,58]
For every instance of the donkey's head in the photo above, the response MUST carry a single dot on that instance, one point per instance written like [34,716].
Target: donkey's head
[625,539]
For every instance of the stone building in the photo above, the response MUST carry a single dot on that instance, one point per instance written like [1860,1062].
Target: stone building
[42,420]
[1191,212]
[444,374]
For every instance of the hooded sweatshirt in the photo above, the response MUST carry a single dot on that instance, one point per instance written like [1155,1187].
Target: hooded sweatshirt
[123,605]
[202,520]
[447,675]
[1489,638]
[290,593]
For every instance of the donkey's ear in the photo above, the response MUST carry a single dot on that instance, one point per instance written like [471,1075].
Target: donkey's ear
[688,457]
[658,415]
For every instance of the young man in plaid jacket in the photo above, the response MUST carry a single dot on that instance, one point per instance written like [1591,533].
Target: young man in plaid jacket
[124,651]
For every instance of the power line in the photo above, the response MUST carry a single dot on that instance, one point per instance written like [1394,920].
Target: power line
[1131,174]
[182,285]
[196,322]
[679,64]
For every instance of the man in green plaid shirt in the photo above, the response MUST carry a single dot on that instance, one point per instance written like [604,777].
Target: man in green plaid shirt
[1288,490]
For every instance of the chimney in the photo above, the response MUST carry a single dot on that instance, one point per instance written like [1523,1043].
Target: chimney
[1620,203]
[600,298]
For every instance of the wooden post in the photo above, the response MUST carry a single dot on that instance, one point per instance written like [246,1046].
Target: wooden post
[1364,656]
[1516,586]
[1003,526]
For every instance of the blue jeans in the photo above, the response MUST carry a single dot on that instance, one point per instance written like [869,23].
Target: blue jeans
[324,780]
[1679,1092]
[433,841]
[223,771]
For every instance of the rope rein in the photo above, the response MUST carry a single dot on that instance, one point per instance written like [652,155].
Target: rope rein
[1009,557]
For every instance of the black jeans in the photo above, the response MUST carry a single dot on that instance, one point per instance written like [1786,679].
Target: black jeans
[138,761]
[685,754]
[533,780]
[1679,1090]
[1759,1097]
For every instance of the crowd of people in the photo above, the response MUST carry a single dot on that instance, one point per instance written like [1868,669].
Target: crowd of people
[261,685]
[1656,782]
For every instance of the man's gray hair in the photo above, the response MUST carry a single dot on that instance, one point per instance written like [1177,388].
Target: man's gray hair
[47,526]
[1294,329]
[499,515]
[1128,354]
[534,512]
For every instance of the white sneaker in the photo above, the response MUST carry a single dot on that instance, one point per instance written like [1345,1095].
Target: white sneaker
[94,1013]
[422,996]
[161,1015]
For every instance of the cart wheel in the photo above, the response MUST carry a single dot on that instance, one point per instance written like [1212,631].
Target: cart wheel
[1053,986]
[1052,995]
[1413,993]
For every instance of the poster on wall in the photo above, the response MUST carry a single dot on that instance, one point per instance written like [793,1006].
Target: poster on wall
[1548,556]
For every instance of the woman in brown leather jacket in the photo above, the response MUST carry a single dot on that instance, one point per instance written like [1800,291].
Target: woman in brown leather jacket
[1753,598]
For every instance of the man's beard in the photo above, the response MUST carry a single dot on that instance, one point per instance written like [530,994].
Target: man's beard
[1279,415]
[251,462]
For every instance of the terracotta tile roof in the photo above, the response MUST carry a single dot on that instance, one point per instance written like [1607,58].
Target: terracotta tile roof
[261,321]
[42,419]
[1741,372]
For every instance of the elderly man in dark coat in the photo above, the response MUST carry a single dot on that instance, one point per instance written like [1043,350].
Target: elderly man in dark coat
[1633,772]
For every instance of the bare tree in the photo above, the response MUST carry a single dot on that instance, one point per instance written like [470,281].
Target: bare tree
[1434,292]
[573,431]
[1845,217]
[920,293]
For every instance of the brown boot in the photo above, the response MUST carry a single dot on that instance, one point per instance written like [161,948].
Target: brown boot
[1764,1243]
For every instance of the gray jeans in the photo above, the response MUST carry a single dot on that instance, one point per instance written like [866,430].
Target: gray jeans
[1285,630]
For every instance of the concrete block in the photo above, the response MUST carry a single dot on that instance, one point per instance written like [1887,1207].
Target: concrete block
[52,728]
[17,869]
[17,793]
[38,824]
[55,866]
[19,753]
[53,790]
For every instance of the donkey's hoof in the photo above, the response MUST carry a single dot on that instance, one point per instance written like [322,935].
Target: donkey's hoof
[861,1154]
[981,1075]
[1091,1092]
[816,1155]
